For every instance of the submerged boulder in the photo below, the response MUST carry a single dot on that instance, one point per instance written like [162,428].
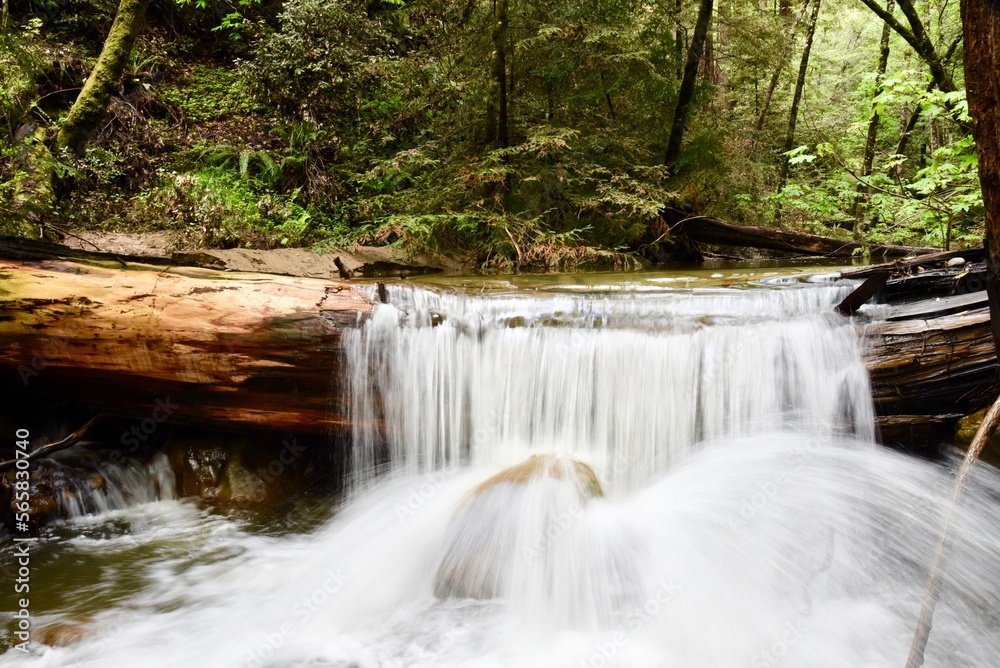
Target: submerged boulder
[509,524]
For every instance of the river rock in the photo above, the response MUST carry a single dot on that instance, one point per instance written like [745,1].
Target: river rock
[966,430]
[507,525]
[955,262]
[61,634]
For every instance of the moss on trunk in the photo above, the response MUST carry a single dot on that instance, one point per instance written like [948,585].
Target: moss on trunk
[91,104]
[33,192]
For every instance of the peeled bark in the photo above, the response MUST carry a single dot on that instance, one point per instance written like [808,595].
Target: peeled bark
[869,156]
[92,103]
[221,348]
[979,26]
[686,93]
[800,83]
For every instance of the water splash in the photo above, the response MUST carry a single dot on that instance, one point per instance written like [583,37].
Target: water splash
[776,550]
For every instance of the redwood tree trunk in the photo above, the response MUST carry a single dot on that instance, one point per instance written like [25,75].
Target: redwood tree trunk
[769,93]
[686,93]
[869,156]
[797,97]
[502,136]
[92,103]
[979,26]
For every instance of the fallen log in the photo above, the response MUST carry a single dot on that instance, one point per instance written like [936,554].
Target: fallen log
[904,267]
[862,294]
[215,348]
[264,351]
[931,365]
[705,229]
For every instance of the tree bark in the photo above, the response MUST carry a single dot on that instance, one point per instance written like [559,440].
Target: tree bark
[91,104]
[502,133]
[869,156]
[679,39]
[800,83]
[917,38]
[220,347]
[686,93]
[773,84]
[979,27]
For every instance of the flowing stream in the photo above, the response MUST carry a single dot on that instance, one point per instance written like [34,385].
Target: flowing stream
[706,493]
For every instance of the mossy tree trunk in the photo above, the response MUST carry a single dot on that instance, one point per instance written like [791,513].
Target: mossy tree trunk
[92,103]
[33,193]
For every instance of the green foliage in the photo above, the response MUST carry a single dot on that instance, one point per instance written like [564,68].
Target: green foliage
[209,94]
[317,59]
[265,123]
[217,207]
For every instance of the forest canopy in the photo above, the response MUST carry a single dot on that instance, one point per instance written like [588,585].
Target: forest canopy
[524,134]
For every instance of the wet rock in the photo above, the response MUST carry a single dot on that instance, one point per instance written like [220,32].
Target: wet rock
[552,466]
[241,487]
[61,634]
[97,481]
[510,523]
[965,431]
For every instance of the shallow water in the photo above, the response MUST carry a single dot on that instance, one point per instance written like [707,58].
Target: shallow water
[749,519]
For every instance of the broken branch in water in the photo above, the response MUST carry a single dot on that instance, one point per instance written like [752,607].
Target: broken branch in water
[62,444]
[936,576]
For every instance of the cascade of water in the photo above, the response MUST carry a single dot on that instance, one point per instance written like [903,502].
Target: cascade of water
[101,486]
[628,382]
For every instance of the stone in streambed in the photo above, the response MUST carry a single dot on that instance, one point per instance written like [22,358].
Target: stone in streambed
[506,526]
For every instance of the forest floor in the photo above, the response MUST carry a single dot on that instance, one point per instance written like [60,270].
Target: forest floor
[363,260]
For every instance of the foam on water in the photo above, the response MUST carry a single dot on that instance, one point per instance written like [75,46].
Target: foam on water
[751,520]
[773,550]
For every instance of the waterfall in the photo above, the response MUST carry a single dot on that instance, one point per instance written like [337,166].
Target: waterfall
[629,382]
[89,486]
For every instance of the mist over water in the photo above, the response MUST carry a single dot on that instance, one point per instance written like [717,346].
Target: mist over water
[748,518]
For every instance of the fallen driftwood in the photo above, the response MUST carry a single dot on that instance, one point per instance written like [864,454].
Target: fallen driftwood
[922,363]
[218,348]
[705,229]
[72,439]
[863,293]
[906,267]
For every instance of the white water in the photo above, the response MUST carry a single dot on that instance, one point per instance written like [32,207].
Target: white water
[793,547]
[102,486]
[627,382]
